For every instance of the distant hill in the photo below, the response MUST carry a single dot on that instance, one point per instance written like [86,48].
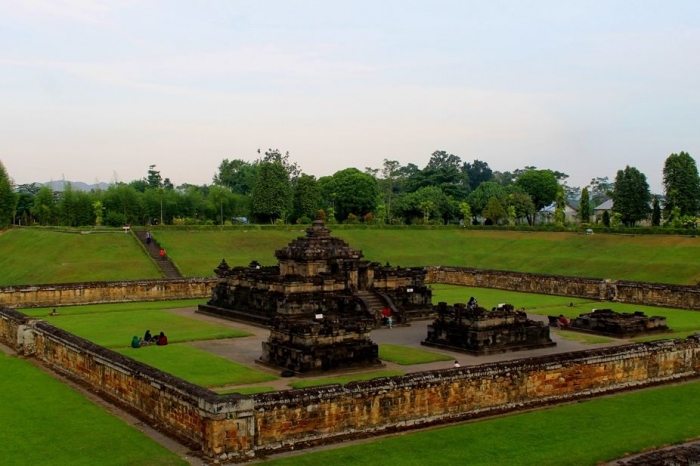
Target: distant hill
[78,185]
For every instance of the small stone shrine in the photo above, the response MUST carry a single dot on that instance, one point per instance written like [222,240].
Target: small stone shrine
[475,330]
[321,302]
[617,324]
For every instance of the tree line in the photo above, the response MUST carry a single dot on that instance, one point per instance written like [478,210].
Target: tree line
[273,189]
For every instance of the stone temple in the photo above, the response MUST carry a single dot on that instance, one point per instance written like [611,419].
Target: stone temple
[477,331]
[617,324]
[321,301]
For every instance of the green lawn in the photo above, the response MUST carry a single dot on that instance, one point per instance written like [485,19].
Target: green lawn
[580,434]
[55,257]
[584,338]
[42,421]
[489,298]
[407,356]
[114,307]
[342,380]
[196,366]
[644,258]
[32,256]
[246,390]
[115,329]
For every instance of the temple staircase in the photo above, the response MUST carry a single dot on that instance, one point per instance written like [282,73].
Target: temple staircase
[166,266]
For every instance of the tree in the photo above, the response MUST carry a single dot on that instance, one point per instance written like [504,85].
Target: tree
[600,190]
[479,198]
[218,195]
[44,206]
[154,180]
[631,196]
[606,219]
[478,172]
[25,202]
[520,202]
[66,205]
[427,202]
[389,184]
[560,210]
[655,212]
[444,171]
[272,194]
[98,209]
[585,206]
[123,205]
[427,207]
[305,197]
[466,212]
[494,211]
[542,187]
[350,191]
[681,184]
[275,156]
[8,199]
[237,175]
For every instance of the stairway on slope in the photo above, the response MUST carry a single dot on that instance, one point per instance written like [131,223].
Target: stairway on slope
[166,266]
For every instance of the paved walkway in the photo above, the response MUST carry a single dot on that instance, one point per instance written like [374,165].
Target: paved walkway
[247,350]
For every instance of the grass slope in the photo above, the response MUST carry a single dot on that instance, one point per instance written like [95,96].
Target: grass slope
[644,258]
[42,421]
[30,256]
[578,434]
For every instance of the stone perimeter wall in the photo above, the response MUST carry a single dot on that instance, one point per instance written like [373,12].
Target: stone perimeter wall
[68,294]
[651,294]
[234,426]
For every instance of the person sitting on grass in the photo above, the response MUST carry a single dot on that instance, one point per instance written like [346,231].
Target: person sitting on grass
[148,338]
[563,322]
[135,342]
[162,340]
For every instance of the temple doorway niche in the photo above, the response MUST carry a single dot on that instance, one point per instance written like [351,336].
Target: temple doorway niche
[363,278]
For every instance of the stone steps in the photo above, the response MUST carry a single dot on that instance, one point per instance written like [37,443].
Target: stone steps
[166,266]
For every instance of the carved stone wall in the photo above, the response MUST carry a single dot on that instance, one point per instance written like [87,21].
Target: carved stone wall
[239,426]
[67,294]
[651,294]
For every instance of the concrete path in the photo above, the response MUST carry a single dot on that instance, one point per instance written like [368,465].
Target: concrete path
[247,350]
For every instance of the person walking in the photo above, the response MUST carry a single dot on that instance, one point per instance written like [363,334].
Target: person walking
[148,237]
[161,253]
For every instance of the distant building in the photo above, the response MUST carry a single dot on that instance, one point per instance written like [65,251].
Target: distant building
[599,210]
[546,215]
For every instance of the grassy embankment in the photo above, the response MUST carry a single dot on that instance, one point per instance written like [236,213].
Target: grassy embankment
[43,421]
[38,256]
[663,259]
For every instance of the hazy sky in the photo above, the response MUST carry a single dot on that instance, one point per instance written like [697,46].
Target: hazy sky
[99,90]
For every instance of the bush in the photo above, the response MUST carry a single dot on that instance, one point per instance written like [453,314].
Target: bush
[115,219]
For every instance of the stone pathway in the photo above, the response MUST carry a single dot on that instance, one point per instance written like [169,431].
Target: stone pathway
[247,350]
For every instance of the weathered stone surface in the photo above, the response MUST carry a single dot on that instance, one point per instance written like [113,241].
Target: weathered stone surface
[651,294]
[616,324]
[321,300]
[474,330]
[67,294]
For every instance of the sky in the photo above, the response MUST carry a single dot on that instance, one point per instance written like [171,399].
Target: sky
[96,91]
